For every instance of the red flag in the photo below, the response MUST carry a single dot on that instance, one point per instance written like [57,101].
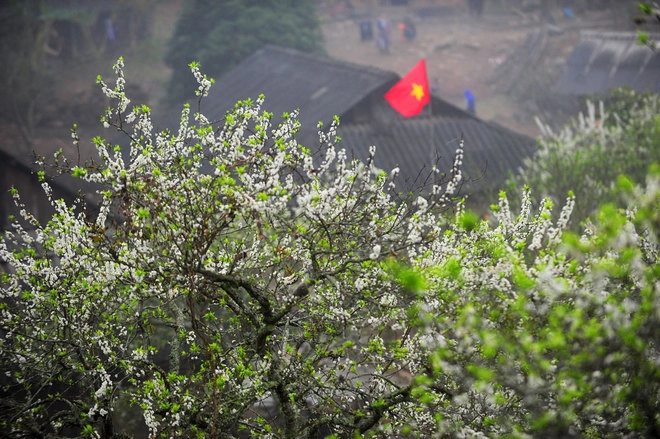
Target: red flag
[411,93]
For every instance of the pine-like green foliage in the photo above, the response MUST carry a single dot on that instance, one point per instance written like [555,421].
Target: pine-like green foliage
[221,34]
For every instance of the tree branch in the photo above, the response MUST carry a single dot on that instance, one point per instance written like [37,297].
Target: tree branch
[363,424]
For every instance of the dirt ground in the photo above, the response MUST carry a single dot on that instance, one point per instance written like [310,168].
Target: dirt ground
[466,52]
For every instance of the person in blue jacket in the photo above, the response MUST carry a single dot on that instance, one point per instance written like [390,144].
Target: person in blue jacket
[471,105]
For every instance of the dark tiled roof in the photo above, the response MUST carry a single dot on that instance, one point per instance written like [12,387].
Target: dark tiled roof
[319,86]
[415,145]
[15,172]
[603,60]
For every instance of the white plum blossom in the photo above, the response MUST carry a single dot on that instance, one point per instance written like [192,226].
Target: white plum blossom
[375,252]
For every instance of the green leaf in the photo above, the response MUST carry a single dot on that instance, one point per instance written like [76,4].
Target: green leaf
[79,172]
[480,372]
[468,220]
[646,8]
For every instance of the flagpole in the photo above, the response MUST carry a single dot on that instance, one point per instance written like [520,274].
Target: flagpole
[433,155]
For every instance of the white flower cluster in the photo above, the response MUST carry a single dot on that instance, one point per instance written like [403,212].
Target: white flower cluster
[204,82]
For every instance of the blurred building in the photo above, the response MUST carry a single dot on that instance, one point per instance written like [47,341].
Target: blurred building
[604,60]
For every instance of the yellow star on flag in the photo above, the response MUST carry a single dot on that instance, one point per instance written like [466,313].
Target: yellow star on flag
[417,91]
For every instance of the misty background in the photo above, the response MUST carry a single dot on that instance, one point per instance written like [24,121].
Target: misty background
[510,55]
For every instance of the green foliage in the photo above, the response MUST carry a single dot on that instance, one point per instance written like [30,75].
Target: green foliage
[643,36]
[620,136]
[645,8]
[561,342]
[221,34]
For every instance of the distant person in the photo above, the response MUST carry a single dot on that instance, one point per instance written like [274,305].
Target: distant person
[383,35]
[110,29]
[470,102]
[408,30]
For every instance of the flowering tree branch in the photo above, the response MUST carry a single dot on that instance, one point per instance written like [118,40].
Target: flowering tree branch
[234,284]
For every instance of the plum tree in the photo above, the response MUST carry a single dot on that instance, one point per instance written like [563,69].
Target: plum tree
[234,284]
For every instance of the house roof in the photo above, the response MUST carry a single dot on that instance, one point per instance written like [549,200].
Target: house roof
[415,145]
[603,60]
[322,87]
[319,86]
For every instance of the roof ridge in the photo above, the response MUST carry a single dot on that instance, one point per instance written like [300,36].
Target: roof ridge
[442,119]
[326,59]
[613,35]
